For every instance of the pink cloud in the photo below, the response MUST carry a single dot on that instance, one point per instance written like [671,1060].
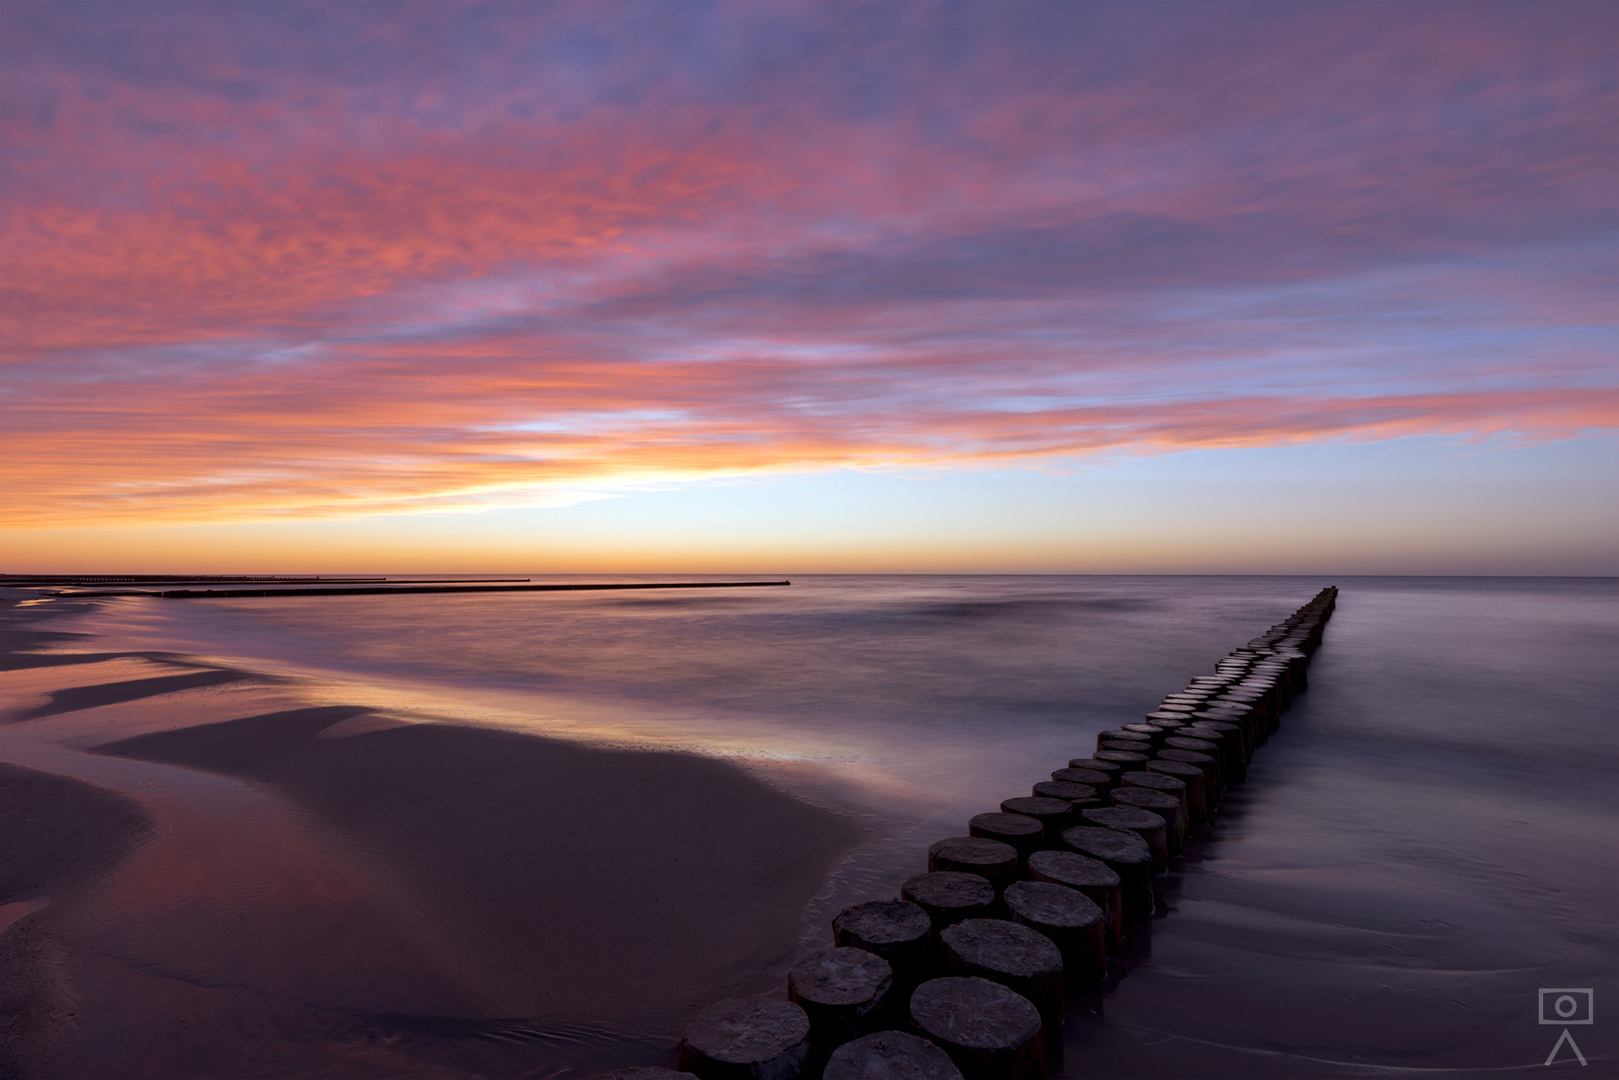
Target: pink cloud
[290,260]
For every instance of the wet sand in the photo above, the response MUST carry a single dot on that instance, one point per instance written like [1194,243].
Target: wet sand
[72,835]
[253,889]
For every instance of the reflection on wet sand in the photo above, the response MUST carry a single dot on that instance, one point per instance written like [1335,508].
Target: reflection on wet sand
[401,900]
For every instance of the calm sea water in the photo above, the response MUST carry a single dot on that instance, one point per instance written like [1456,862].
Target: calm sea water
[929,692]
[1427,842]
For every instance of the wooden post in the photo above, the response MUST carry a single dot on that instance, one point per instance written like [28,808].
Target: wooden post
[1124,853]
[1090,876]
[890,1055]
[1070,919]
[747,1039]
[949,896]
[1020,959]
[990,859]
[990,1032]
[843,991]
[1077,795]
[1054,815]
[1161,803]
[1096,778]
[1026,834]
[895,930]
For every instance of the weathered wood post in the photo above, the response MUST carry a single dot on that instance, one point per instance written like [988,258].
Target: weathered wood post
[1152,829]
[991,859]
[890,1055]
[1124,853]
[844,992]
[1090,876]
[747,1039]
[895,930]
[1070,919]
[990,1032]
[1020,959]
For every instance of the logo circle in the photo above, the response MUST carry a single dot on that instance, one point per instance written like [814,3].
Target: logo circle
[1565,1006]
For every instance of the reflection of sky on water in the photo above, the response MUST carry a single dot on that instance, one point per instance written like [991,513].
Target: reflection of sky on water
[895,684]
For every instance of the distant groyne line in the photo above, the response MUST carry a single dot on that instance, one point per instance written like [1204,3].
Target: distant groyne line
[188,578]
[193,579]
[381,590]
[148,581]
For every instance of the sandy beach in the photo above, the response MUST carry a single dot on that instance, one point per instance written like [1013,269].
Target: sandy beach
[207,876]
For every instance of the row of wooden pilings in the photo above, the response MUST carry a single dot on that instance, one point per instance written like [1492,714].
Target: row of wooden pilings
[963,976]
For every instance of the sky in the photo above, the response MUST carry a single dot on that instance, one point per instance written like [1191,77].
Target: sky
[1041,287]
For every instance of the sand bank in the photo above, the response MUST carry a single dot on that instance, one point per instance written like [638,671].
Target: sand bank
[269,888]
[59,839]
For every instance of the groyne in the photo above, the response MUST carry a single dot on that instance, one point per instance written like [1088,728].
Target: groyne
[36,580]
[412,587]
[964,975]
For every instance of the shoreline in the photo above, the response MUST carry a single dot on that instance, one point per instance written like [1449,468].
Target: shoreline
[541,904]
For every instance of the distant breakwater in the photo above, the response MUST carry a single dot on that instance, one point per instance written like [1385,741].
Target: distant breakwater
[375,587]
[964,974]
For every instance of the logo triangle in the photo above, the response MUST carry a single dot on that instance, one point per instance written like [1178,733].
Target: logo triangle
[1572,1045]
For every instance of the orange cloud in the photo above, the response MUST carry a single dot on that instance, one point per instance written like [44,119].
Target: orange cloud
[230,454]
[275,262]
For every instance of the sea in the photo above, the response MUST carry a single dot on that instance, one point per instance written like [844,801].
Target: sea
[1422,850]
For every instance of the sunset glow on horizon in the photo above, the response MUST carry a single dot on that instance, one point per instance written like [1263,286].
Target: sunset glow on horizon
[691,286]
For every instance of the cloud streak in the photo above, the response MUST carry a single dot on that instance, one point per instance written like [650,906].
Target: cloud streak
[288,260]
